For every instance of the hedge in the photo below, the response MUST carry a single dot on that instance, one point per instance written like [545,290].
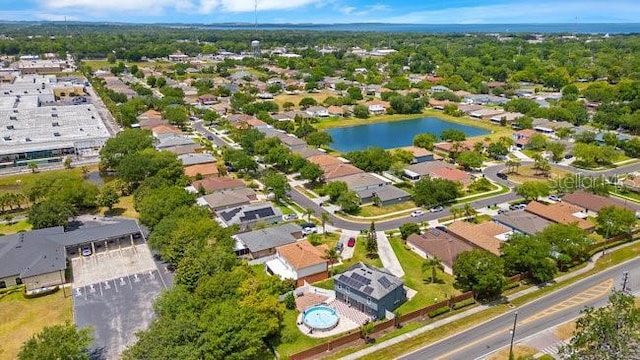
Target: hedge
[512,285]
[439,311]
[463,303]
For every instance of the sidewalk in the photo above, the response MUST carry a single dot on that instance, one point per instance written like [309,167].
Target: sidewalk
[436,324]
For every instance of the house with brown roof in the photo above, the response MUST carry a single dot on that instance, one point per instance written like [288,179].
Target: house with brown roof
[438,104]
[165,129]
[418,171]
[216,184]
[632,183]
[336,111]
[151,118]
[456,175]
[561,213]
[300,261]
[486,113]
[323,160]
[522,138]
[332,172]
[488,236]
[205,170]
[592,203]
[440,245]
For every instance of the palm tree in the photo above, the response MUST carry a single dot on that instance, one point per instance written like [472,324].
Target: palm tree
[456,211]
[325,219]
[469,210]
[432,263]
[331,255]
[308,212]
[33,166]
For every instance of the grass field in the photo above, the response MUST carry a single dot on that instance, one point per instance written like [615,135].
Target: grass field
[8,229]
[23,318]
[295,99]
[528,173]
[104,64]
[124,207]
[11,183]
[359,254]
[418,280]
[372,210]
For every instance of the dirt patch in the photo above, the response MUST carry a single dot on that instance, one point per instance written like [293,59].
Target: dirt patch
[518,351]
[565,331]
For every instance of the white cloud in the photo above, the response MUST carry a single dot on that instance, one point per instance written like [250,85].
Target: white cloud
[157,7]
[546,11]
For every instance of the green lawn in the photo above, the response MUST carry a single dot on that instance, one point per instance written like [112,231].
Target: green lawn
[359,254]
[7,229]
[11,183]
[418,280]
[291,339]
[630,194]
[372,210]
[23,318]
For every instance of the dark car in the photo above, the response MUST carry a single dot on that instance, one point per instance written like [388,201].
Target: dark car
[568,156]
[351,242]
[502,176]
[210,137]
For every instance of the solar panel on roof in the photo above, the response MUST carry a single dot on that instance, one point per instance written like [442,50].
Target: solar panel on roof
[368,290]
[384,282]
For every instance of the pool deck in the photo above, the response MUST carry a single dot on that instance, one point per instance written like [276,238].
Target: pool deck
[344,324]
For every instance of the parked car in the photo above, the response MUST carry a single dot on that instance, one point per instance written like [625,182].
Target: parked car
[289,217]
[417,213]
[568,156]
[351,242]
[309,230]
[501,211]
[502,176]
[441,228]
[555,198]
[86,251]
[436,209]
[517,207]
[339,247]
[210,137]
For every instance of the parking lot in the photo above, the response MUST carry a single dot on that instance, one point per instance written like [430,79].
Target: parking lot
[113,293]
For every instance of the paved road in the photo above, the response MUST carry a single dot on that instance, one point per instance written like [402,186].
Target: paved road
[199,126]
[554,309]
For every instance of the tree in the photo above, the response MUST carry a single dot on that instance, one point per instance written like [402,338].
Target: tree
[288,105]
[479,271]
[125,142]
[372,159]
[432,264]
[277,184]
[361,111]
[312,172]
[497,150]
[307,102]
[108,196]
[334,189]
[468,210]
[614,220]
[608,333]
[57,342]
[512,165]
[331,255]
[557,150]
[325,218]
[349,202]
[33,166]
[453,135]
[155,203]
[304,130]
[470,159]
[309,212]
[537,141]
[456,212]
[532,190]
[432,192]
[67,162]
[425,140]
[528,254]
[372,241]
[319,138]
[50,213]
[568,242]
[407,229]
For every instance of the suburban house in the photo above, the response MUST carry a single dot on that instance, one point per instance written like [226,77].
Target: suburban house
[204,170]
[419,154]
[363,181]
[307,152]
[225,199]
[38,258]
[194,159]
[248,216]
[592,203]
[260,243]
[386,195]
[335,111]
[207,99]
[456,175]
[439,104]
[561,213]
[483,99]
[318,111]
[438,244]
[522,138]
[336,171]
[488,236]
[469,108]
[486,113]
[377,107]
[522,222]
[210,185]
[300,261]
[370,290]
[632,183]
[507,117]
[438,89]
[418,171]
[324,160]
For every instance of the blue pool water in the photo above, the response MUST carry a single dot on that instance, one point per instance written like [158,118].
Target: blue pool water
[388,135]
[320,317]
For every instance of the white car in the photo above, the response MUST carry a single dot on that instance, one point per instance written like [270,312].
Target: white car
[417,213]
[86,251]
[309,230]
[436,209]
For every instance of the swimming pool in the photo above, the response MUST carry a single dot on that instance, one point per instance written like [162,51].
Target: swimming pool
[320,317]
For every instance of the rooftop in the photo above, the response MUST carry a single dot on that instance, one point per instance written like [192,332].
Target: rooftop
[590,202]
[562,213]
[302,254]
[522,221]
[370,280]
[439,244]
[483,236]
[230,198]
[218,183]
[270,237]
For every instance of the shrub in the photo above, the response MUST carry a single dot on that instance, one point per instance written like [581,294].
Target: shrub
[463,303]
[512,285]
[439,311]
[290,301]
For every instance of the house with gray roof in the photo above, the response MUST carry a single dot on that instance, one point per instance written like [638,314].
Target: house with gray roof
[522,222]
[248,216]
[260,243]
[369,289]
[229,198]
[386,195]
[195,159]
[38,258]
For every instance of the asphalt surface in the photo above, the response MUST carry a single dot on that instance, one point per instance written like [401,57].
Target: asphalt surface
[199,126]
[116,310]
[485,338]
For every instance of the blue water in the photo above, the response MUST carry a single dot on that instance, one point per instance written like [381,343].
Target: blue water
[320,317]
[388,135]
[581,28]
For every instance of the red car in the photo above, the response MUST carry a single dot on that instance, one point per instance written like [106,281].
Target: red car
[351,242]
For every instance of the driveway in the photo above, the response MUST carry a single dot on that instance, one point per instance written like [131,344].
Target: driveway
[388,256]
[347,252]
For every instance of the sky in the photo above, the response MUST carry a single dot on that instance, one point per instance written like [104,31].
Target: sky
[326,11]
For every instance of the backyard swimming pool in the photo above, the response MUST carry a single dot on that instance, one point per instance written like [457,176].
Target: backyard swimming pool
[320,317]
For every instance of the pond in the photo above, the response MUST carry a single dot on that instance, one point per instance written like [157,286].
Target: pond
[393,134]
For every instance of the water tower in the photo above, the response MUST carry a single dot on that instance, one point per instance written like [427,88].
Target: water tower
[255,48]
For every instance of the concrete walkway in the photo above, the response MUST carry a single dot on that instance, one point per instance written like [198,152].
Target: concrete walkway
[520,155]
[472,311]
[388,256]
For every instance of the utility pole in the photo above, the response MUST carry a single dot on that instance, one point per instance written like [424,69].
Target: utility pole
[624,281]
[513,335]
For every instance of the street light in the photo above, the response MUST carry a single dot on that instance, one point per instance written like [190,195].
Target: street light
[513,335]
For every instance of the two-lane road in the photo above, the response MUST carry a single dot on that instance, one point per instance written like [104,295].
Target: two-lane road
[544,313]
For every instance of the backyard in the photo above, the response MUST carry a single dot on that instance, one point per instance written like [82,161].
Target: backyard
[14,227]
[23,318]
